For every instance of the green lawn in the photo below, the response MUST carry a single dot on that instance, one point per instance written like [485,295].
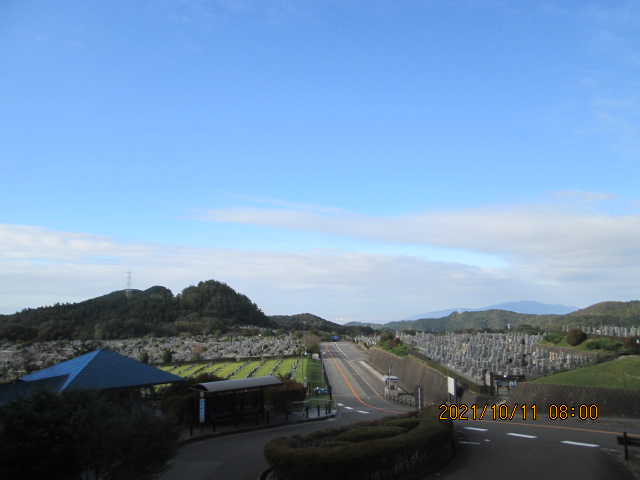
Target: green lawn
[222,369]
[314,371]
[266,368]
[622,373]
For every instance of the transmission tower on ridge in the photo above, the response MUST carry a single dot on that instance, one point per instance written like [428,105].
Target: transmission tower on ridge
[128,290]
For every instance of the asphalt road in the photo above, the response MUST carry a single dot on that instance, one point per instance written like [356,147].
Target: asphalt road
[522,450]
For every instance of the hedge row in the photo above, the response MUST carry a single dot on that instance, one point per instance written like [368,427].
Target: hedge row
[411,455]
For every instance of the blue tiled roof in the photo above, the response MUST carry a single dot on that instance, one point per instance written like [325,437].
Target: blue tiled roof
[104,369]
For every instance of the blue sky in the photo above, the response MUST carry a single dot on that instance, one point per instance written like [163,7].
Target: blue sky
[356,160]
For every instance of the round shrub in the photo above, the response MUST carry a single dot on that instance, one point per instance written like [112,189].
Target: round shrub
[576,336]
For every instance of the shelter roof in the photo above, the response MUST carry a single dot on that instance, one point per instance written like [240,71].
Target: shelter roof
[238,384]
[22,389]
[104,369]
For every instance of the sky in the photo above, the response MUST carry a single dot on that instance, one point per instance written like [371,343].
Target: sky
[358,160]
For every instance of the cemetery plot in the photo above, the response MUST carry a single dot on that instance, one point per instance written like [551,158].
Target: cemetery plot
[507,354]
[232,370]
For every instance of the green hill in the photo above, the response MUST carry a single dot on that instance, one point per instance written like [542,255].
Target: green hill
[204,308]
[208,307]
[306,322]
[626,314]
[622,373]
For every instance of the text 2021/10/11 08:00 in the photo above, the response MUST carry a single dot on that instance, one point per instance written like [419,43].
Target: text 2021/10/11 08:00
[509,412]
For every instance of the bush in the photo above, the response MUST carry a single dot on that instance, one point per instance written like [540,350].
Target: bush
[632,344]
[406,423]
[81,434]
[178,399]
[362,434]
[553,337]
[280,398]
[604,344]
[400,350]
[576,336]
[413,454]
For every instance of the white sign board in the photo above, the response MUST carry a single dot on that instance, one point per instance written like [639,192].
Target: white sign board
[451,386]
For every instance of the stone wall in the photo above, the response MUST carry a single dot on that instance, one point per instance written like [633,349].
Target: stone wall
[610,402]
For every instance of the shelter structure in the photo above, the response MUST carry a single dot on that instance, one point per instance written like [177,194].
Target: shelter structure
[235,400]
[119,376]
[390,385]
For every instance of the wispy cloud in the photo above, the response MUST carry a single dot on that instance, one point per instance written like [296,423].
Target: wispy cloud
[553,255]
[526,233]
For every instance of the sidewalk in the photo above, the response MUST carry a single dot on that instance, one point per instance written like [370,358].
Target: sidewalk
[271,420]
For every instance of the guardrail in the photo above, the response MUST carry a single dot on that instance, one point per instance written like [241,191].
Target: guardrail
[628,441]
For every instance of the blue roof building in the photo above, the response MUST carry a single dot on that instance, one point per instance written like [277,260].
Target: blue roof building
[104,369]
[101,369]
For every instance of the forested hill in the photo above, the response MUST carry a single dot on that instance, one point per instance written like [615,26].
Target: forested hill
[208,307]
[306,322]
[626,314]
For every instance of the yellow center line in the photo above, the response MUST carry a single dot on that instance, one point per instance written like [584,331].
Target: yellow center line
[353,391]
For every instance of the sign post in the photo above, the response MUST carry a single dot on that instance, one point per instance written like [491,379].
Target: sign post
[202,407]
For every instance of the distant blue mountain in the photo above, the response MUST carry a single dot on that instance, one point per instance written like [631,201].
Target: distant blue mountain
[524,306]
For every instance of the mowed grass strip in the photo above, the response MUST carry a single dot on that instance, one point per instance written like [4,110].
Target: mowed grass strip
[192,369]
[222,369]
[265,369]
[244,371]
[286,366]
[314,372]
[622,373]
[228,368]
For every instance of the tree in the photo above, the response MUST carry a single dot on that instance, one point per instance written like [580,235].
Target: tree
[144,356]
[167,356]
[178,399]
[575,336]
[632,344]
[81,433]
[280,398]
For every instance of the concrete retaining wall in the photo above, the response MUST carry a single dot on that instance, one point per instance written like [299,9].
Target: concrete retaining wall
[411,374]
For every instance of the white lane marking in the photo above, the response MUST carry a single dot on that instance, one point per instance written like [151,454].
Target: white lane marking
[580,444]
[521,435]
[477,429]
[336,345]
[470,443]
[361,411]
[340,404]
[349,408]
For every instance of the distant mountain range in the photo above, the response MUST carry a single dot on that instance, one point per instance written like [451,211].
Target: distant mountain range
[214,307]
[606,313]
[524,306]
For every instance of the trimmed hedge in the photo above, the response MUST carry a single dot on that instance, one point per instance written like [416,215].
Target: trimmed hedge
[407,456]
[406,423]
[363,434]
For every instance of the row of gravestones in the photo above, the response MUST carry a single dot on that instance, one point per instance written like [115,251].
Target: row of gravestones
[609,330]
[17,360]
[474,355]
[211,348]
